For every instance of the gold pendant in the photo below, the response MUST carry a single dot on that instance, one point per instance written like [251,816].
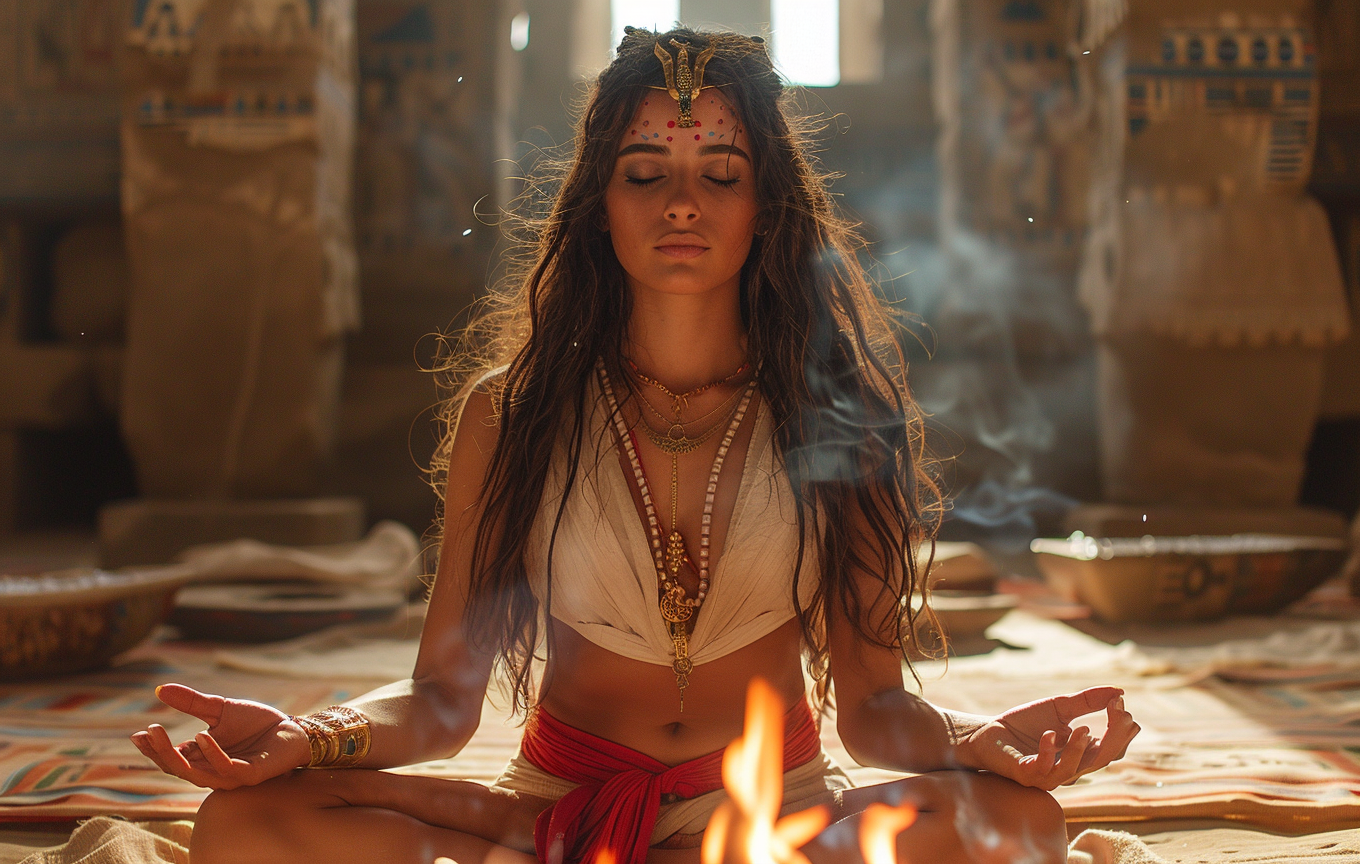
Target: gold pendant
[682,665]
[675,553]
[674,609]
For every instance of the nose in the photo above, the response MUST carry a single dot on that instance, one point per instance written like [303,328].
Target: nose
[682,208]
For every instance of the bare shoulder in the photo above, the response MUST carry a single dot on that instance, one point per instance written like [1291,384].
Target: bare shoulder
[443,647]
[479,419]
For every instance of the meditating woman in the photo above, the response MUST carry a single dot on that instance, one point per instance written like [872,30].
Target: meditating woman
[683,454]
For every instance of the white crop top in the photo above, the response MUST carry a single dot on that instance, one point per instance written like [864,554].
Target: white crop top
[604,581]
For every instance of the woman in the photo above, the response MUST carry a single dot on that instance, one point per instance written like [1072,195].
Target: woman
[683,455]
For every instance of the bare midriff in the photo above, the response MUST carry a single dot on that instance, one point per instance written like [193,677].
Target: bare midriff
[636,704]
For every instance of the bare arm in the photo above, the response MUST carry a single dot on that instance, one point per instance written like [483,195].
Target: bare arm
[880,723]
[434,713]
[885,726]
[430,715]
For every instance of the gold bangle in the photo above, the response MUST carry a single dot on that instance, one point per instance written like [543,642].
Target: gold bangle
[339,736]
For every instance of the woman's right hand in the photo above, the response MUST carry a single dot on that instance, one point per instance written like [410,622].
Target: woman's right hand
[245,743]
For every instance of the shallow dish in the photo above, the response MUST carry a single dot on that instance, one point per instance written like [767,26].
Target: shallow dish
[1187,578]
[74,620]
[964,617]
[268,612]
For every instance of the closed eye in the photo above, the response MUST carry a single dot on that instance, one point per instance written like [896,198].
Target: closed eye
[647,181]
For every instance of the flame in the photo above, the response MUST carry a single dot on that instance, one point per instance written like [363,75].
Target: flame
[753,773]
[878,829]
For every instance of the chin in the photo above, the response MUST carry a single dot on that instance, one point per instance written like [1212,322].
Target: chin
[684,289]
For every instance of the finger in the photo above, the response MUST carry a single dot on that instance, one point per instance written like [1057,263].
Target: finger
[1070,760]
[175,762]
[205,706]
[148,748]
[139,740]
[1074,705]
[179,761]
[1047,756]
[1115,743]
[215,756]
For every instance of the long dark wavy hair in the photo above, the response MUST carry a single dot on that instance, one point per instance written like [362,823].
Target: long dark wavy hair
[833,372]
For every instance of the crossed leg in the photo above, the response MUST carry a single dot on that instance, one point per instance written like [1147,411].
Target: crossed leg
[962,817]
[360,815]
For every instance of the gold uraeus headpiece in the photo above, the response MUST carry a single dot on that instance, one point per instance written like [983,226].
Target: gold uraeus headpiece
[683,83]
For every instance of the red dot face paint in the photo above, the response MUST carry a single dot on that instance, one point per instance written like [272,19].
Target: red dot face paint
[669,138]
[719,122]
[648,122]
[697,123]
[670,124]
[696,137]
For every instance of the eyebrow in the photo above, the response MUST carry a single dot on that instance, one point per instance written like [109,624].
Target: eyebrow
[663,150]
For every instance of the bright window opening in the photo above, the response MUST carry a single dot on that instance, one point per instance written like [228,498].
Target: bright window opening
[806,38]
[652,14]
[814,43]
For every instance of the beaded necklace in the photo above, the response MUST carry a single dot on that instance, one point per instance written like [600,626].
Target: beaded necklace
[676,607]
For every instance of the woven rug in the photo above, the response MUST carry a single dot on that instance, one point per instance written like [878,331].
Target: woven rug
[1251,742]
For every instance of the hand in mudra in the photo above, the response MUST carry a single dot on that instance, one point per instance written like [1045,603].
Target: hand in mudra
[1035,745]
[245,743]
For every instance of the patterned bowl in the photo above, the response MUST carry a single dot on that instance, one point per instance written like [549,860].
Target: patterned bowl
[73,620]
[1187,578]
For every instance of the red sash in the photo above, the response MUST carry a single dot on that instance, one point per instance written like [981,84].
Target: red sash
[616,805]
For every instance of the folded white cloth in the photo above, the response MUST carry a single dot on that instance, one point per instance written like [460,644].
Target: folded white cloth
[106,840]
[389,557]
[1110,847]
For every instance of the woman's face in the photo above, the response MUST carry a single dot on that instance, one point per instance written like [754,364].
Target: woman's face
[681,206]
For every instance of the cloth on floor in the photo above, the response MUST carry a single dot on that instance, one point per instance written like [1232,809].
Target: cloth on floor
[107,840]
[380,650]
[389,557]
[1095,846]
[1244,847]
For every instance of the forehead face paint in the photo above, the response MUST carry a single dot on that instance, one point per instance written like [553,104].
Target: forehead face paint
[712,127]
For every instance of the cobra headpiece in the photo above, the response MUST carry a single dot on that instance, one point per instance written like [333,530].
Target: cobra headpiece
[682,82]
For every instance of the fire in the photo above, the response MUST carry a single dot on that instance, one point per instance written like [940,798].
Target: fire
[878,829]
[753,772]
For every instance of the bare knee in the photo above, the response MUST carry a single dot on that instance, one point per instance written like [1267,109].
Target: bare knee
[998,820]
[251,823]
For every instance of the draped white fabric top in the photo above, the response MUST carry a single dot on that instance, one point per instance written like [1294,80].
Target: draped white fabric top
[605,584]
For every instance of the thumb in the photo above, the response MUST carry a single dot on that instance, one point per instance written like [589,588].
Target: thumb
[205,706]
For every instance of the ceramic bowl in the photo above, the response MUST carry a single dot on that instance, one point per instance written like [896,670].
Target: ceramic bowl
[1187,578]
[74,620]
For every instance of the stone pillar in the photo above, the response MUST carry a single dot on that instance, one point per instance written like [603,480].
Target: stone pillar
[238,138]
[1210,275]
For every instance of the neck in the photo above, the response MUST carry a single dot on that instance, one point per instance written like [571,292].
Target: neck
[686,340]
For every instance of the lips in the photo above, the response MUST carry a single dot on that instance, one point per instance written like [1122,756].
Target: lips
[679,250]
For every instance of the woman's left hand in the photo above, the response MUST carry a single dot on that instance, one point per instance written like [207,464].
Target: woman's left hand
[1035,745]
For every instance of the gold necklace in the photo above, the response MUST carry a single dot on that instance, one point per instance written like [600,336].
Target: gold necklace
[676,608]
[680,401]
[674,440]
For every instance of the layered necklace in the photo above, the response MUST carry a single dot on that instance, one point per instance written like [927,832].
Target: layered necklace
[676,607]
